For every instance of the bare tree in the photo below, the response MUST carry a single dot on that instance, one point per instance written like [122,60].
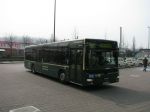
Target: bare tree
[41,41]
[26,40]
[10,41]
[75,34]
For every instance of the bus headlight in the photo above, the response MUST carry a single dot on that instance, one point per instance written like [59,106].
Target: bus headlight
[89,80]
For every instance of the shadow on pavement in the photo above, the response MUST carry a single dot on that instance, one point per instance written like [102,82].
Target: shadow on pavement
[119,95]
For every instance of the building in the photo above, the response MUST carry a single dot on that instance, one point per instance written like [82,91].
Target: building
[12,48]
[142,53]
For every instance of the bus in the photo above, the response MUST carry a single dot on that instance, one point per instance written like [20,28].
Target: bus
[83,62]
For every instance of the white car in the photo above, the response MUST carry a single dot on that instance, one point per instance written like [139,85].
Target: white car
[140,61]
[121,62]
[135,62]
[148,61]
[129,62]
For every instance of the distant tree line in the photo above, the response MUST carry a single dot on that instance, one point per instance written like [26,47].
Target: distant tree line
[23,41]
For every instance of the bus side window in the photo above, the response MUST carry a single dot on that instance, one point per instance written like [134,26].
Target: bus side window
[61,57]
[28,55]
[39,55]
[34,52]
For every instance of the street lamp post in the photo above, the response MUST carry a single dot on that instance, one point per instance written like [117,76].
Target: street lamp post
[54,18]
[148,37]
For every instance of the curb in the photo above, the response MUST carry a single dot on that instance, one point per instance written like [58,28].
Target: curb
[11,62]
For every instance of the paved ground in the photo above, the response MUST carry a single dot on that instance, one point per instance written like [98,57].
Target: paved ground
[20,88]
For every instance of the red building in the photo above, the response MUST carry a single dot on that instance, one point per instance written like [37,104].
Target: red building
[13,48]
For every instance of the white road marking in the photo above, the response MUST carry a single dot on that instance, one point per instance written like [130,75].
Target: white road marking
[141,69]
[133,75]
[26,109]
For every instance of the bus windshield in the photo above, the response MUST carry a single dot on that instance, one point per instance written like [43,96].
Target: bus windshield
[98,58]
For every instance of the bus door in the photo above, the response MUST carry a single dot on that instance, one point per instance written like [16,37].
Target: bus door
[38,64]
[76,60]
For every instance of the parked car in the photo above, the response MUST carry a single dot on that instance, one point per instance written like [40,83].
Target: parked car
[140,61]
[148,61]
[121,62]
[129,62]
[135,62]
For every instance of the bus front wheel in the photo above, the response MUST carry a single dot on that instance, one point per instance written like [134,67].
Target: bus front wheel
[62,77]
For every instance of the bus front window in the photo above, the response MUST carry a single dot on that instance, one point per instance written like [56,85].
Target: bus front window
[98,58]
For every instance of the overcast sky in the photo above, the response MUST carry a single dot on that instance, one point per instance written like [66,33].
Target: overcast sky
[90,18]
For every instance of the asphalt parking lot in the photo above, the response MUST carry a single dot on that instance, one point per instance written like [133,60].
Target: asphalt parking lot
[20,88]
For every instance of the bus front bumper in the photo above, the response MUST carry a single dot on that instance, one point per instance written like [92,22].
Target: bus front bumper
[99,81]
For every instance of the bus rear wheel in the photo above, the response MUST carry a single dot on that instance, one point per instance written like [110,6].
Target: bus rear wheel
[33,69]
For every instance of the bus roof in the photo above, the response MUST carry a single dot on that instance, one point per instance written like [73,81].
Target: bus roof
[68,42]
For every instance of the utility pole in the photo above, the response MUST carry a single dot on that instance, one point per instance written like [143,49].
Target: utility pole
[148,37]
[54,18]
[120,44]
[134,46]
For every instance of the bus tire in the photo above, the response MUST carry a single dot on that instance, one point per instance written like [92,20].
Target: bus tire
[33,69]
[62,77]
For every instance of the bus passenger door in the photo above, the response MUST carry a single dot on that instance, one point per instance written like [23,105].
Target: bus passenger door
[39,61]
[76,65]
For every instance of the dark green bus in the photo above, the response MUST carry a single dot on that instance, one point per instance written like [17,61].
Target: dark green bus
[83,62]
